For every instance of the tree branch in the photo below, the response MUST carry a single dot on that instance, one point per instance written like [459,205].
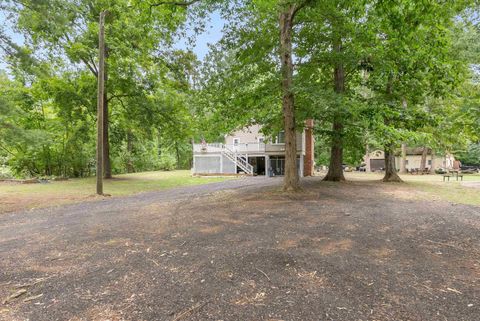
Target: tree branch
[297,8]
[88,61]
[5,149]
[92,69]
[94,66]
[174,3]
[120,96]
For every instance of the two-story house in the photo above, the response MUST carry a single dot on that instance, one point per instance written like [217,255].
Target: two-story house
[248,151]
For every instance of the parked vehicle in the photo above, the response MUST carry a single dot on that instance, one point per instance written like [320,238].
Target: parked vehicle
[362,168]
[470,168]
[441,171]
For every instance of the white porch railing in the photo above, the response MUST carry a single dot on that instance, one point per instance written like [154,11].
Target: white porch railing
[236,153]
[208,148]
[244,148]
[239,159]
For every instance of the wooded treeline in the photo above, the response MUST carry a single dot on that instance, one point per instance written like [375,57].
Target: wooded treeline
[373,74]
[48,102]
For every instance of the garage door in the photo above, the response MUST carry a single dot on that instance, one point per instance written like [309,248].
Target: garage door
[377,164]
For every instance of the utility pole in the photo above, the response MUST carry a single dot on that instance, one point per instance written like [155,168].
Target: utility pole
[100,102]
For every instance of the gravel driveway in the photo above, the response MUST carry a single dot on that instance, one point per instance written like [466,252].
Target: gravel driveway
[241,250]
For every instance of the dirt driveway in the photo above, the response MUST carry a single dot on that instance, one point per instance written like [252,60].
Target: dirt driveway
[240,250]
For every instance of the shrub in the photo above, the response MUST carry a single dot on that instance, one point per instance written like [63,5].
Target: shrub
[167,162]
[5,172]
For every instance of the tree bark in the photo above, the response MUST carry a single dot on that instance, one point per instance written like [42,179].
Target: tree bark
[100,102]
[390,168]
[432,165]
[106,142]
[389,148]
[423,160]
[177,153]
[403,161]
[291,180]
[130,167]
[335,169]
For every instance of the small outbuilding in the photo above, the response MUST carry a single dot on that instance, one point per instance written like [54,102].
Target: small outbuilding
[375,160]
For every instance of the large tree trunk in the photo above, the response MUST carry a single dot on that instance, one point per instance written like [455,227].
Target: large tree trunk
[130,167]
[100,102]
[390,168]
[432,165]
[389,148]
[177,153]
[403,161]
[423,160]
[335,170]
[291,180]
[106,142]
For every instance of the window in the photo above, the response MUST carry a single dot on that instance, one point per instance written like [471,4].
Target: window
[280,138]
[261,140]
[430,162]
[236,141]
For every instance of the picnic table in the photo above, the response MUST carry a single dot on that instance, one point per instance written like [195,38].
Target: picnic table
[456,174]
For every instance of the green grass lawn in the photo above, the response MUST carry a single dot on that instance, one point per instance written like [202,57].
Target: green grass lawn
[23,196]
[433,187]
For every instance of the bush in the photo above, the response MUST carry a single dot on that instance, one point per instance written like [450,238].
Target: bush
[167,162]
[5,172]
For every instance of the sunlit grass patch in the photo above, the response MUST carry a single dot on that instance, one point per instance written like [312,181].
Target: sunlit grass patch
[15,196]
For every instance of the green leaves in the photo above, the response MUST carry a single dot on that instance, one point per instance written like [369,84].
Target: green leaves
[148,83]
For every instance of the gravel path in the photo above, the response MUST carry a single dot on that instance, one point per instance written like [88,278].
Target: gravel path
[115,209]
[241,250]
[471,184]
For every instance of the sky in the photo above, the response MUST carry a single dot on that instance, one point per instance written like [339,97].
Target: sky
[212,34]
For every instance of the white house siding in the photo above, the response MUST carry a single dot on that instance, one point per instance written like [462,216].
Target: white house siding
[251,134]
[245,136]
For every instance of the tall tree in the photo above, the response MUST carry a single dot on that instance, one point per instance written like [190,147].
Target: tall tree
[146,94]
[333,43]
[67,29]
[254,81]
[413,59]
[287,15]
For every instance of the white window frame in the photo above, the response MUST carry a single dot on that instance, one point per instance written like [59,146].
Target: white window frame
[277,140]
[236,141]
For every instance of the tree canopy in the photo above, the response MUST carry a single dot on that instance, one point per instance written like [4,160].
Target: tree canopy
[373,74]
